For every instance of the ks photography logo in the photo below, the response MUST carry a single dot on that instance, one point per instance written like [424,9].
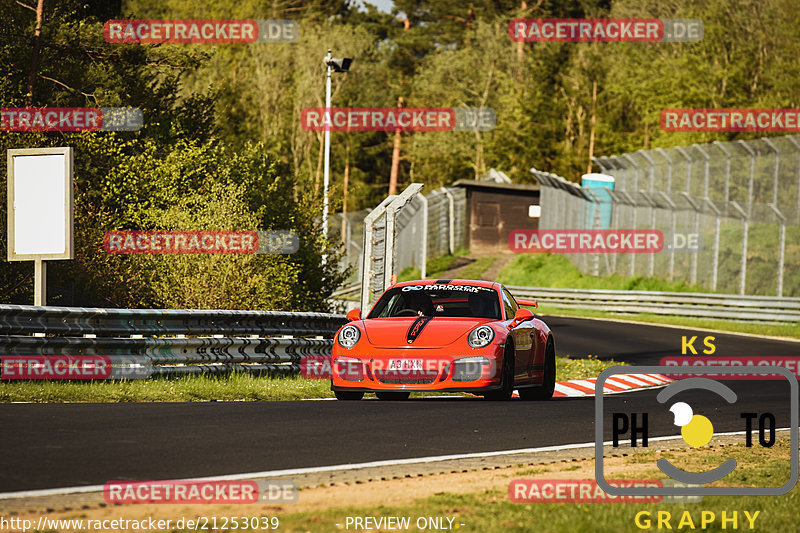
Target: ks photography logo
[676,406]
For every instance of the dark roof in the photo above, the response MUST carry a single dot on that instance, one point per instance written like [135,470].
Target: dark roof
[477,184]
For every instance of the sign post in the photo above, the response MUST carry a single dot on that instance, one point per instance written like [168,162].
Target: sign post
[40,210]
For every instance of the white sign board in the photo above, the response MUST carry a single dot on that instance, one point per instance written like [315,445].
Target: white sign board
[40,211]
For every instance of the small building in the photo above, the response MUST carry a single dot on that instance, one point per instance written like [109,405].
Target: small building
[495,209]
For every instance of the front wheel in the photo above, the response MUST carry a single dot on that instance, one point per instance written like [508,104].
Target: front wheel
[348,395]
[393,395]
[545,390]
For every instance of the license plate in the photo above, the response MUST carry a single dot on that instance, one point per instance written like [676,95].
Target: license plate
[405,364]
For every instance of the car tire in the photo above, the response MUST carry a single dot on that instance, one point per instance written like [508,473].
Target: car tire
[506,380]
[348,395]
[545,390]
[391,395]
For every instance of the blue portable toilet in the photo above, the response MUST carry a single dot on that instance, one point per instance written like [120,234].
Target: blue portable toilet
[599,184]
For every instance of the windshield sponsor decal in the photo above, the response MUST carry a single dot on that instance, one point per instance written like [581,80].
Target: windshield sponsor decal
[439,287]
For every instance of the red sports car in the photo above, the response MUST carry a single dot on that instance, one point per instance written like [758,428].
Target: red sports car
[444,335]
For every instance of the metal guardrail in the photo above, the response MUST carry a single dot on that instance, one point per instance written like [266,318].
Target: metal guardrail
[143,342]
[764,309]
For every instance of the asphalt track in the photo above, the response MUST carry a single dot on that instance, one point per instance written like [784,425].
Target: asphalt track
[64,445]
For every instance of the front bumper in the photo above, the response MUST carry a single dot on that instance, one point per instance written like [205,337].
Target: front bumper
[423,369]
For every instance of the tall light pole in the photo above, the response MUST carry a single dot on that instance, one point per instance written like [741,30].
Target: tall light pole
[334,64]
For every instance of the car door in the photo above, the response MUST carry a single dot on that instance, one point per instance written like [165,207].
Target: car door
[523,341]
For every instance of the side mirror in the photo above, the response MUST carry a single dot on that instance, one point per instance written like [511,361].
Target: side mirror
[521,316]
[355,314]
[531,303]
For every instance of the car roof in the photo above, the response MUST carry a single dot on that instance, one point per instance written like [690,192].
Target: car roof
[474,282]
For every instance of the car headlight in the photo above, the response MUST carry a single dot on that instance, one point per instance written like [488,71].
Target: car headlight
[480,336]
[348,336]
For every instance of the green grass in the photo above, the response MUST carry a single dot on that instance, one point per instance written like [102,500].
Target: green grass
[433,266]
[476,269]
[567,368]
[491,510]
[235,387]
[556,271]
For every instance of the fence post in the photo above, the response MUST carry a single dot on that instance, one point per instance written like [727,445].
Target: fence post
[696,209]
[652,204]
[715,264]
[796,144]
[635,188]
[424,255]
[451,220]
[623,183]
[673,209]
[725,151]
[745,227]
[774,170]
[688,168]
[391,214]
[666,156]
[752,177]
[706,168]
[366,258]
[781,253]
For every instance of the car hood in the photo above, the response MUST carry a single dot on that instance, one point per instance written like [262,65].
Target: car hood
[430,332]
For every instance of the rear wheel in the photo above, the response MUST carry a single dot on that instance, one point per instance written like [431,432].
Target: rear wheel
[348,395]
[506,380]
[545,391]
[393,395]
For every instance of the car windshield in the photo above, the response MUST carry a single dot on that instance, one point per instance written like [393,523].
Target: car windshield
[438,300]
